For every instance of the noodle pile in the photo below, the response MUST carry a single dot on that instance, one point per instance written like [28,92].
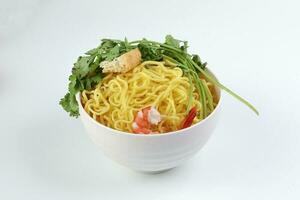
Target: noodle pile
[116,100]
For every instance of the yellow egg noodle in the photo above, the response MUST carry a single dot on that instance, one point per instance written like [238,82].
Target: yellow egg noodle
[115,101]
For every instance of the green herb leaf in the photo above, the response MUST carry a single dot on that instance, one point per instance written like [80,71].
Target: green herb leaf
[107,44]
[92,52]
[172,41]
[86,72]
[179,44]
[70,104]
[81,67]
[113,53]
[125,46]
[149,51]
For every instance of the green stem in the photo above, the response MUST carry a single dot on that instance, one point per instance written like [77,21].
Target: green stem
[210,78]
[216,82]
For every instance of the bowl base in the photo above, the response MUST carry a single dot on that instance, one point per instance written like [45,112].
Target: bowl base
[154,172]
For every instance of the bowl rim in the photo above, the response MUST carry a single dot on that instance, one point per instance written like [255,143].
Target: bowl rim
[181,131]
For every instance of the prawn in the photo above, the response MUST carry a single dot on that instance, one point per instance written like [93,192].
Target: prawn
[144,119]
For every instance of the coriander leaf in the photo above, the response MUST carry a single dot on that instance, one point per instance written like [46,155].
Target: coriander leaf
[125,46]
[96,78]
[86,72]
[149,51]
[113,53]
[87,84]
[172,41]
[92,51]
[81,67]
[95,65]
[90,81]
[70,104]
[107,44]
[72,84]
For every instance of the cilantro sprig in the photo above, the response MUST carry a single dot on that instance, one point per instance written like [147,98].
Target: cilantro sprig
[87,72]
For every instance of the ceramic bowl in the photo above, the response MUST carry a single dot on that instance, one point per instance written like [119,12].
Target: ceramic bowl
[153,152]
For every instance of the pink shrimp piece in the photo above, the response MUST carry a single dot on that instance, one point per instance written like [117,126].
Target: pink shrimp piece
[141,121]
[144,119]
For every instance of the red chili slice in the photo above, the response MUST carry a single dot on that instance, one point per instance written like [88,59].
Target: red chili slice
[187,122]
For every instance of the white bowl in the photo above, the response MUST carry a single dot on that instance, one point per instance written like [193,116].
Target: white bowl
[151,153]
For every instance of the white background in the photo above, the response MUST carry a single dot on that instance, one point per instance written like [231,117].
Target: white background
[252,46]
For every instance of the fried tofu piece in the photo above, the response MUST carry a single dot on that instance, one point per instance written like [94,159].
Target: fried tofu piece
[123,63]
